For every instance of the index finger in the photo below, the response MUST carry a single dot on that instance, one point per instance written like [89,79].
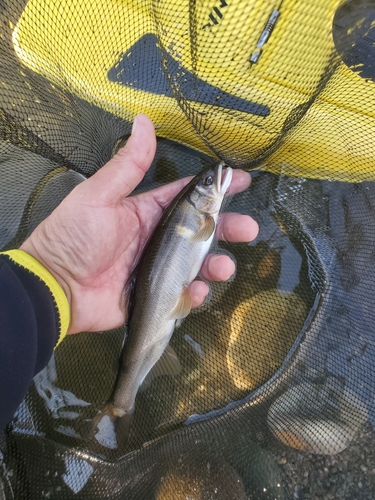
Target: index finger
[241,180]
[236,228]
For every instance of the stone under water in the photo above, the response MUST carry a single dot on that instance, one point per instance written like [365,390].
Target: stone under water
[263,329]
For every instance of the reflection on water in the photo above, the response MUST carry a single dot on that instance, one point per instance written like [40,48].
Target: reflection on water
[57,400]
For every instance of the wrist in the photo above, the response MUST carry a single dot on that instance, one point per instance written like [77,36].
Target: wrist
[29,247]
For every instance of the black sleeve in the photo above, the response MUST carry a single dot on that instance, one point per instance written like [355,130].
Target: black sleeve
[29,329]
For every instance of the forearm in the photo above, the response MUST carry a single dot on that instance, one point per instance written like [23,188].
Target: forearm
[33,318]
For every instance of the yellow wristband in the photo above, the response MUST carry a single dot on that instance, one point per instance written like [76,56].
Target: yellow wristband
[27,261]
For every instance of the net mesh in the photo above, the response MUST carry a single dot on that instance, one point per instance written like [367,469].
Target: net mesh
[276,395]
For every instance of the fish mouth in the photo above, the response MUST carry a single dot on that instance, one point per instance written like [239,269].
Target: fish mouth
[223,178]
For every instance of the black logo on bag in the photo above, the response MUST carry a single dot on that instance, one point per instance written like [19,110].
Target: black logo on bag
[219,15]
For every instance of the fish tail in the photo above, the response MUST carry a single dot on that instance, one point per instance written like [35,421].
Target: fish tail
[111,427]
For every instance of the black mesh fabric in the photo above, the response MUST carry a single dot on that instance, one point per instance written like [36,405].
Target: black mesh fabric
[276,395]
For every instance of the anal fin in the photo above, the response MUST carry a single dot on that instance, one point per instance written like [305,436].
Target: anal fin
[168,364]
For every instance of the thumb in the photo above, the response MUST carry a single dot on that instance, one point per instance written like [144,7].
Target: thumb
[117,178]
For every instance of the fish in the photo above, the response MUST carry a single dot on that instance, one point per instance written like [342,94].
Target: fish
[171,261]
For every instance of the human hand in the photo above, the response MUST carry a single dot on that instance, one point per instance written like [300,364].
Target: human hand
[93,240]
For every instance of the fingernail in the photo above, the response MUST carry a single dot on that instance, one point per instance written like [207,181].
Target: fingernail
[134,124]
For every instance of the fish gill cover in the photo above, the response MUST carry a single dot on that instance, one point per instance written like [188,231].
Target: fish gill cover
[275,398]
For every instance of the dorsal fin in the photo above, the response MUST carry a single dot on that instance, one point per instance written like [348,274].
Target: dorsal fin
[205,232]
[168,364]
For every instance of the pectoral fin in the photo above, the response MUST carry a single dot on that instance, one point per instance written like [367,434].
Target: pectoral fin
[168,364]
[205,232]
[183,306]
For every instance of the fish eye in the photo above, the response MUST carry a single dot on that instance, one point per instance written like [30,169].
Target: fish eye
[207,181]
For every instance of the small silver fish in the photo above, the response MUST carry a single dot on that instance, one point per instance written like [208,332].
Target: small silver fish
[170,263]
